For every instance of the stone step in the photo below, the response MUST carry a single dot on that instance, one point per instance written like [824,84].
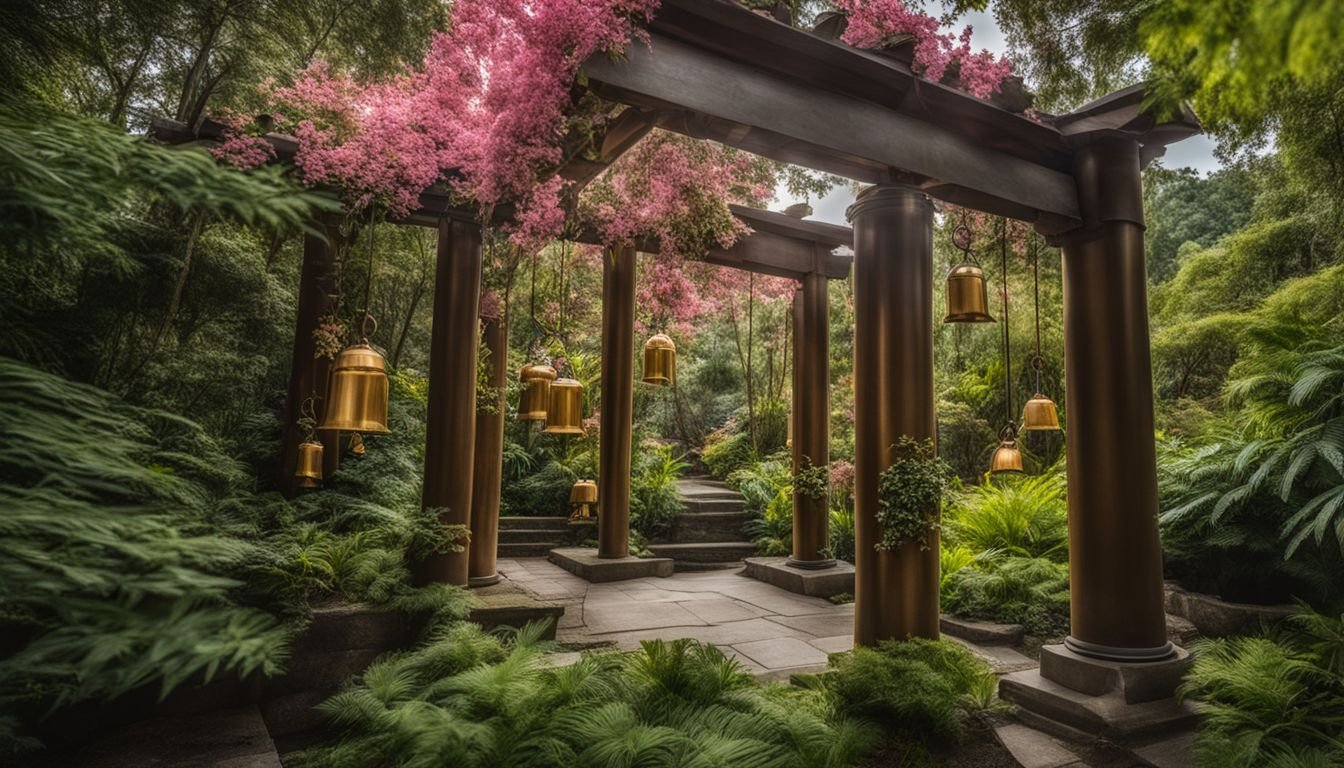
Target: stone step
[685,566]
[692,527]
[701,504]
[705,552]
[533,523]
[528,549]
[532,536]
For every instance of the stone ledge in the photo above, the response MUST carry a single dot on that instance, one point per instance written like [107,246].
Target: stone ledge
[983,632]
[514,609]
[1107,715]
[823,582]
[584,563]
[1214,617]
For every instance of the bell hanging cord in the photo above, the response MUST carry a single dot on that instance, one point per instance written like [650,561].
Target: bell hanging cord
[368,284]
[1007,352]
[1038,361]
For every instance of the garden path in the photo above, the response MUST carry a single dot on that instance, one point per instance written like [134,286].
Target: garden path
[773,633]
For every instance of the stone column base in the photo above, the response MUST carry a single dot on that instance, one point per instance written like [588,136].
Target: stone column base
[818,581]
[1096,697]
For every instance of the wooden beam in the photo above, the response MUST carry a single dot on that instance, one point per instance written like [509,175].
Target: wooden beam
[822,129]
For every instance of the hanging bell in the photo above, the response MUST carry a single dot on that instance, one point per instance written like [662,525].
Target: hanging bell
[357,395]
[582,497]
[967,296]
[1007,457]
[1040,414]
[660,360]
[564,411]
[309,467]
[537,394]
[357,444]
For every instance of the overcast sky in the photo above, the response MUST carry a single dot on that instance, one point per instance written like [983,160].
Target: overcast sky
[1196,152]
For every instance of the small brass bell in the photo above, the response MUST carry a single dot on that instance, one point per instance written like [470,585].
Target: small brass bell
[357,444]
[1040,414]
[582,497]
[564,411]
[357,395]
[1007,457]
[536,395]
[967,296]
[309,467]
[660,360]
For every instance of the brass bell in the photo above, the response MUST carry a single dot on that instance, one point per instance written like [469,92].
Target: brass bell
[357,444]
[1040,414]
[536,395]
[967,296]
[309,467]
[564,411]
[1007,457]
[660,360]
[357,395]
[582,497]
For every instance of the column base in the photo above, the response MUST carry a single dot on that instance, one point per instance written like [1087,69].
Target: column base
[810,565]
[835,579]
[585,563]
[483,581]
[1112,653]
[1115,699]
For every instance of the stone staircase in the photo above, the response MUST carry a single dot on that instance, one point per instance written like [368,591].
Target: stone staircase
[531,536]
[708,534]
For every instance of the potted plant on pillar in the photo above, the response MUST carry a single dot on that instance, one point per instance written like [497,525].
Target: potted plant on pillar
[910,494]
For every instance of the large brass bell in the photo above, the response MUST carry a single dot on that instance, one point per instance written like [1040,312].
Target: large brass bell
[967,296]
[564,410]
[532,403]
[1040,414]
[357,394]
[1007,457]
[582,497]
[660,360]
[309,468]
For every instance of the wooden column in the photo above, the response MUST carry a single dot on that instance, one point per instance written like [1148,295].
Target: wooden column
[811,414]
[489,461]
[307,373]
[1115,557]
[895,593]
[450,436]
[618,386]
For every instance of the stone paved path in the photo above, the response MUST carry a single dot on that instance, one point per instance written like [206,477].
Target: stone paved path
[770,631]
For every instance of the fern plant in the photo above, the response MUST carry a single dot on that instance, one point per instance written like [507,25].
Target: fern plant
[1022,517]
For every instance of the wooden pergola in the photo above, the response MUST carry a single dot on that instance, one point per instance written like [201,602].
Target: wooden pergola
[718,71]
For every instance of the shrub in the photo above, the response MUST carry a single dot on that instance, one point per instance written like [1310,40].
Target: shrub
[842,533]
[910,494]
[1033,592]
[1022,517]
[723,456]
[654,501]
[915,688]
[1272,700]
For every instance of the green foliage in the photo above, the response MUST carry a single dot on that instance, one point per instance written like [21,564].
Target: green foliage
[842,533]
[654,501]
[1019,516]
[916,688]
[472,700]
[114,576]
[727,454]
[1272,700]
[1033,592]
[812,481]
[910,494]
[1184,208]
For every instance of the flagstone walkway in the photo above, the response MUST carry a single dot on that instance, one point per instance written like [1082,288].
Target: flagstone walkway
[772,632]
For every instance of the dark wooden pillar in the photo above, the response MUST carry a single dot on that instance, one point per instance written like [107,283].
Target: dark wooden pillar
[450,437]
[489,461]
[811,414]
[1115,557]
[307,373]
[618,387]
[895,593]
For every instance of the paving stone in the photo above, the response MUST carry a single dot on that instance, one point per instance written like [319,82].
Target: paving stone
[826,624]
[604,618]
[982,632]
[1033,749]
[781,652]
[783,603]
[837,644]
[235,738]
[1002,658]
[719,610]
[1173,752]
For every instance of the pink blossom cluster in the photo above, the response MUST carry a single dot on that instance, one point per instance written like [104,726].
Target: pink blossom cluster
[491,308]
[239,148]
[842,476]
[873,23]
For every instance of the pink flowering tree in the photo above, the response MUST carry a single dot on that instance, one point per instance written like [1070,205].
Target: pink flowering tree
[878,23]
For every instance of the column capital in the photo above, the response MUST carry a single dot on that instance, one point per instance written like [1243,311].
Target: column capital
[883,196]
